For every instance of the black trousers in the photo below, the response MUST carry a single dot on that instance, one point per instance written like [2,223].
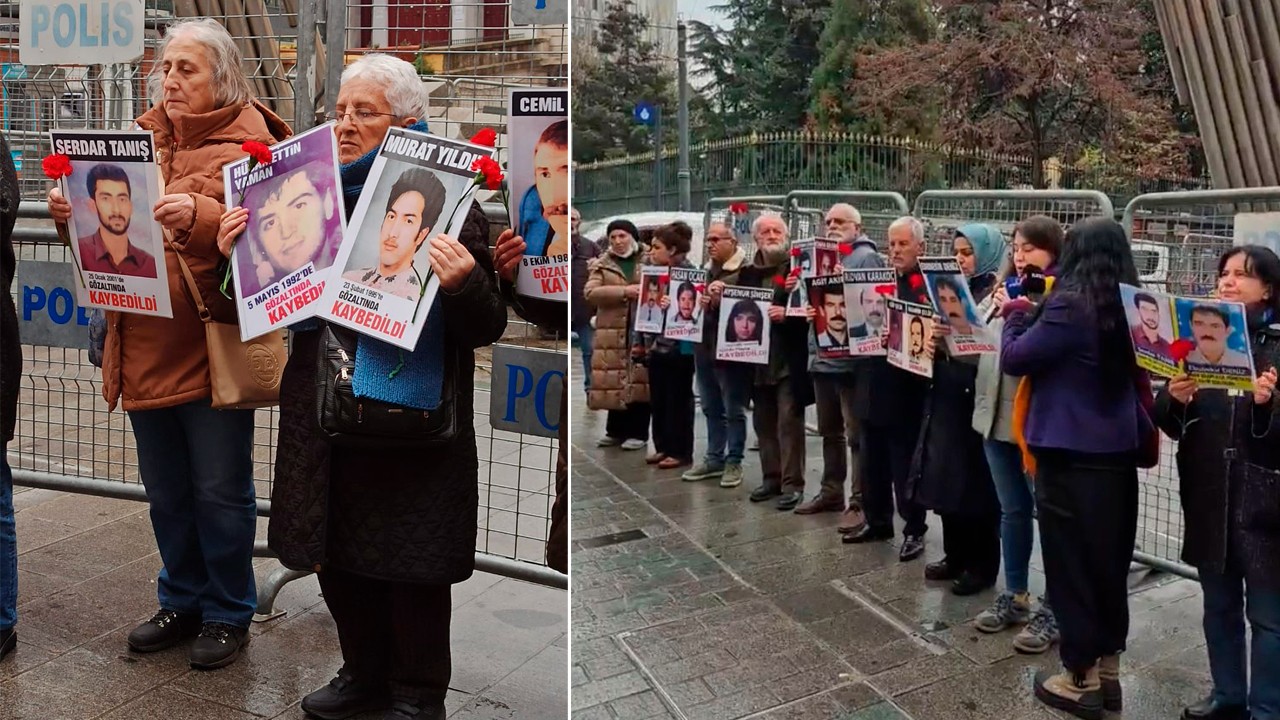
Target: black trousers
[629,424]
[1088,508]
[972,543]
[393,632]
[671,392]
[886,462]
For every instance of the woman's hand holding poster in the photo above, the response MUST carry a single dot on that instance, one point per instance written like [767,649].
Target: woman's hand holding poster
[949,293]
[743,334]
[684,313]
[654,280]
[910,344]
[420,186]
[117,245]
[865,293]
[538,169]
[1208,340]
[296,224]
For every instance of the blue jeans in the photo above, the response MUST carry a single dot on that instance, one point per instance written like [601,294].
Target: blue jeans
[723,391]
[1017,505]
[8,548]
[197,466]
[1225,611]
[586,336]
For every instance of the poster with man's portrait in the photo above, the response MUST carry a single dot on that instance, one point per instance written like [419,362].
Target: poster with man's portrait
[649,315]
[1219,331]
[831,316]
[865,294]
[117,245]
[420,186]
[684,314]
[538,173]
[296,224]
[954,303]
[910,337]
[1152,327]
[826,257]
[743,331]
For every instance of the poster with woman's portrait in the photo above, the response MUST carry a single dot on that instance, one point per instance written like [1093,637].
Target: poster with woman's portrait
[684,313]
[910,344]
[649,316]
[743,333]
[865,293]
[953,302]
[538,172]
[295,228]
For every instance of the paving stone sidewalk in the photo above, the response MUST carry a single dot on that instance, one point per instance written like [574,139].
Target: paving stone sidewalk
[689,601]
[87,569]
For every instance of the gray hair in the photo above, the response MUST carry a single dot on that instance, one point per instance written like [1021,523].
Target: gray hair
[230,86]
[755,225]
[907,221]
[399,80]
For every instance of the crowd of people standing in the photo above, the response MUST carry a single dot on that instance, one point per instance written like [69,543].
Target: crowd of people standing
[1053,426]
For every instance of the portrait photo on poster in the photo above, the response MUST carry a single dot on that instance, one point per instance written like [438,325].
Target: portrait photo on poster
[830,316]
[910,337]
[743,331]
[538,178]
[1220,356]
[953,302]
[117,245]
[684,314]
[1149,314]
[295,228]
[650,317]
[865,296]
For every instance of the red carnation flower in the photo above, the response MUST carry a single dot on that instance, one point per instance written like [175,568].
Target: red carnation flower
[779,280]
[738,208]
[56,167]
[796,252]
[795,272]
[489,172]
[664,277]
[486,137]
[916,281]
[259,152]
[845,248]
[888,290]
[699,287]
[1180,348]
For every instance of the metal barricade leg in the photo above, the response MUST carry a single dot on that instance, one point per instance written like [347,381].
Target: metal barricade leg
[269,589]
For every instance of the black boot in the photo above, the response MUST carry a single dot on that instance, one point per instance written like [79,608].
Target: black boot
[8,641]
[346,696]
[1209,709]
[218,646]
[163,631]
[868,533]
[941,570]
[402,710]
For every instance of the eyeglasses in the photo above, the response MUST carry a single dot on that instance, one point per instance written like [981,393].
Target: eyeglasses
[359,116]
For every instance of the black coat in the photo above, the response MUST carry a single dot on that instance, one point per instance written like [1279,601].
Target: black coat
[583,252]
[788,340]
[10,347]
[1229,474]
[949,472]
[393,516]
[884,395]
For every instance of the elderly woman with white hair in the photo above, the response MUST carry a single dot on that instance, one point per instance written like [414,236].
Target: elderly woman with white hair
[196,462]
[387,532]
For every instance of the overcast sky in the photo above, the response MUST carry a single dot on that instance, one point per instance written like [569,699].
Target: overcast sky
[700,10]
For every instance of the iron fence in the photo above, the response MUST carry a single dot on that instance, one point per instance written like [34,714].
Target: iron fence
[469,54]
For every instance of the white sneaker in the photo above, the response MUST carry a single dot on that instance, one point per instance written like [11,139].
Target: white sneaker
[607,441]
[634,444]
[732,476]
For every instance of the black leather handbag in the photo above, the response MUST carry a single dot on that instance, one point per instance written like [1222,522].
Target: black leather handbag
[367,424]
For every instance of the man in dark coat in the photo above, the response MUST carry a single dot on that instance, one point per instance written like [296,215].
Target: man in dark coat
[10,377]
[583,251]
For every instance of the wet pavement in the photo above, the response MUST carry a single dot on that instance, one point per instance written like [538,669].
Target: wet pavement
[691,602]
[87,569]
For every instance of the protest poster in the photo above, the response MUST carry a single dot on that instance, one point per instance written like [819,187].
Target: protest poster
[684,315]
[538,173]
[117,245]
[419,186]
[296,224]
[802,264]
[830,316]
[826,257]
[865,293]
[654,280]
[910,336]
[743,332]
[949,292]
[1206,339]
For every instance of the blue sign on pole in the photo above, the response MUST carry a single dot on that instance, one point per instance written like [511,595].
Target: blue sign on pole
[645,113]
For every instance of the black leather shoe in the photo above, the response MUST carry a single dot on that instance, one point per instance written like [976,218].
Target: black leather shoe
[345,697]
[163,631]
[941,570]
[970,584]
[218,645]
[867,534]
[8,641]
[401,710]
[788,501]
[912,548]
[1209,709]
[763,493]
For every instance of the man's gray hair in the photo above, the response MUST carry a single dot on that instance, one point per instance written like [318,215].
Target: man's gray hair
[399,81]
[230,85]
[917,227]
[848,210]
[755,225]
[724,224]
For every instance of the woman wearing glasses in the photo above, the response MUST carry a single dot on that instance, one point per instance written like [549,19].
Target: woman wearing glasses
[388,532]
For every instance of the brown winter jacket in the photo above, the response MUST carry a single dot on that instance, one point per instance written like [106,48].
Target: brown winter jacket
[616,381]
[155,362]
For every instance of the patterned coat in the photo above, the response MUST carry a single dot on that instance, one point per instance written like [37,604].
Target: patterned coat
[616,381]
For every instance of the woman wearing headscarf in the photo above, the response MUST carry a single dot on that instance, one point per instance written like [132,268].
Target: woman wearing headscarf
[950,474]
[618,383]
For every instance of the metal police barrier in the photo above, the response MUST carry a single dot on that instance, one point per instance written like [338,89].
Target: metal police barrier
[67,441]
[943,211]
[1177,239]
[717,210]
[878,210]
